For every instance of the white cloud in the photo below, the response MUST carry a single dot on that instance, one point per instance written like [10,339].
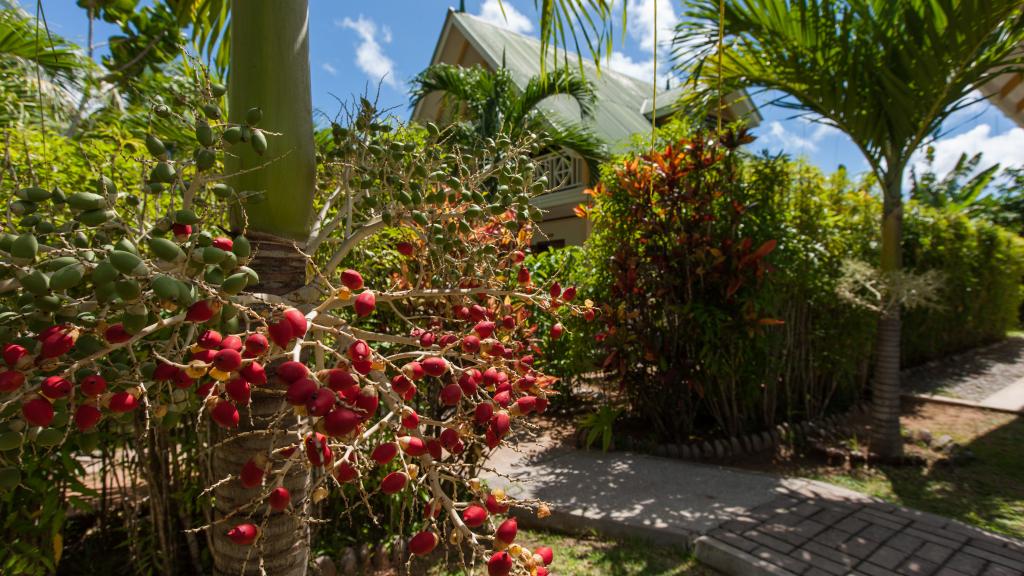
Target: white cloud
[329,69]
[511,19]
[1006,149]
[370,55]
[640,22]
[791,141]
[640,69]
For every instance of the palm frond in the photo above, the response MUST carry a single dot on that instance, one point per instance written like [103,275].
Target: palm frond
[557,82]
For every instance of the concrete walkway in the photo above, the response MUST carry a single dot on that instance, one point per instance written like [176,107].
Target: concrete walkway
[1010,398]
[745,523]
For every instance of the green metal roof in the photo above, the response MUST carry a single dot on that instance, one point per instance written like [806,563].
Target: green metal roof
[623,106]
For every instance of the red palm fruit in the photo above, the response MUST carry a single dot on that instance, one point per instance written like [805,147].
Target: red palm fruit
[557,330]
[54,387]
[410,393]
[423,543]
[503,398]
[507,531]
[201,311]
[393,483]
[231,343]
[410,419]
[244,534]
[490,377]
[15,356]
[225,414]
[508,322]
[448,437]
[367,401]
[224,243]
[462,313]
[542,571]
[350,395]
[181,231]
[518,256]
[569,294]
[526,404]
[494,506]
[116,334]
[471,344]
[11,380]
[300,391]
[204,356]
[122,402]
[542,404]
[291,371]
[339,380]
[183,380]
[501,423]
[38,412]
[468,383]
[434,448]
[227,360]
[297,320]
[500,564]
[451,394]
[365,303]
[412,445]
[57,341]
[351,279]
[484,328]
[345,472]
[362,366]
[340,421]
[405,248]
[483,412]
[165,372]
[447,340]
[254,373]
[414,370]
[239,390]
[86,417]
[474,515]
[435,365]
[281,333]
[320,402]
[432,509]
[317,450]
[359,350]
[256,344]
[384,453]
[400,384]
[252,474]
[204,390]
[210,339]
[555,290]
[427,339]
[523,277]
[545,553]
[279,498]
[477,313]
[491,439]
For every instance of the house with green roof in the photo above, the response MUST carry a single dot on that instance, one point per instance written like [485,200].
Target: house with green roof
[625,106]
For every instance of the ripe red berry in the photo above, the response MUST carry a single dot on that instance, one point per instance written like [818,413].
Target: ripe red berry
[116,334]
[225,414]
[297,321]
[201,311]
[239,390]
[435,365]
[93,385]
[474,515]
[123,402]
[279,498]
[365,303]
[256,344]
[556,290]
[405,248]
[244,534]
[11,380]
[320,402]
[384,453]
[500,564]
[484,328]
[410,419]
[291,371]
[317,450]
[300,391]
[359,350]
[556,331]
[423,543]
[56,341]
[341,421]
[569,294]
[483,412]
[181,231]
[451,394]
[345,471]
[227,360]
[86,417]
[414,370]
[412,445]
[393,483]
[55,387]
[254,373]
[231,343]
[210,339]
[38,412]
[494,506]
[351,279]
[471,344]
[427,339]
[251,475]
[507,531]
[523,277]
[223,242]
[15,355]
[545,553]
[281,333]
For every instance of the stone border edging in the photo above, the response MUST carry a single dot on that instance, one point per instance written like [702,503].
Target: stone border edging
[730,560]
[957,402]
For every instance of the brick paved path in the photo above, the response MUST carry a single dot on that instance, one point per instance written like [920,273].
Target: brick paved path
[815,531]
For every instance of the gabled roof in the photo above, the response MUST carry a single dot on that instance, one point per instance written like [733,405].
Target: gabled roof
[623,106]
[1006,91]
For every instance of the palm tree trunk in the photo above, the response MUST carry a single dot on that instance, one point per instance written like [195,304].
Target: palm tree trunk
[886,441]
[269,69]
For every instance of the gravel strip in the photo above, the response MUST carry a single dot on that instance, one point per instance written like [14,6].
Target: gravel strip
[973,375]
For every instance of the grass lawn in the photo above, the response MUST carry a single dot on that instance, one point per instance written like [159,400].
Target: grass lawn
[987,492]
[593,556]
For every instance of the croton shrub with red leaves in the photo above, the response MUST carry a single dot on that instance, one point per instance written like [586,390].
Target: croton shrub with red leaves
[114,308]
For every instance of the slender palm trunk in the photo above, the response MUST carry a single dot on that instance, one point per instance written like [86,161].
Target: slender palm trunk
[270,70]
[885,391]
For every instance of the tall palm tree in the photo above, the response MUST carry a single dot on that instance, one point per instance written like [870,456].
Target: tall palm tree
[492,104]
[885,72]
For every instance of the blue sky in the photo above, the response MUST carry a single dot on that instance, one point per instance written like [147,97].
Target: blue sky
[354,45]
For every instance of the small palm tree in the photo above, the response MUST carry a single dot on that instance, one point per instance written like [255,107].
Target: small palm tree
[491,104]
[885,72]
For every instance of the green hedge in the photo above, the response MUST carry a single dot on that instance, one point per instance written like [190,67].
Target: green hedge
[701,343]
